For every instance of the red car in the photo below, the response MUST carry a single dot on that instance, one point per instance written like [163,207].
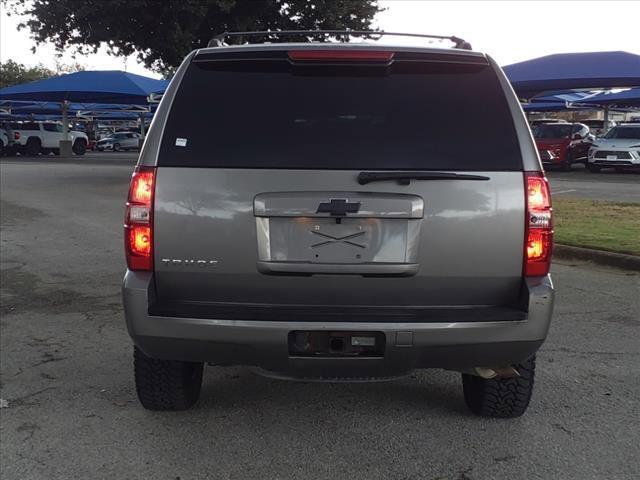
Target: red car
[568,142]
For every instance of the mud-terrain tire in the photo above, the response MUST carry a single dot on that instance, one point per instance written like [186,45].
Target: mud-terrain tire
[500,397]
[166,385]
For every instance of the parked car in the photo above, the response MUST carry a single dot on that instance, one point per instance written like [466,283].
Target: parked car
[120,141]
[547,158]
[348,236]
[597,127]
[569,142]
[619,148]
[540,121]
[32,138]
[4,141]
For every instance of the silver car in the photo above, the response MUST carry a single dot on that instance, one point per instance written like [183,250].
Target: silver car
[339,212]
[120,141]
[619,148]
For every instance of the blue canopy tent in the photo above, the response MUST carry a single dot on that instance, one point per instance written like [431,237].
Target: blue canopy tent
[547,107]
[107,87]
[564,97]
[628,99]
[574,71]
[111,86]
[53,108]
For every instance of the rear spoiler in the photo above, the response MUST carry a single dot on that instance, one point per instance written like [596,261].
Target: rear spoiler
[341,35]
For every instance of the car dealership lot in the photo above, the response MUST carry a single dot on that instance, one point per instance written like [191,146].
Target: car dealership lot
[72,410]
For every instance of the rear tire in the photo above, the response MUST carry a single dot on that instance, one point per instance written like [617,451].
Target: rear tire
[500,397]
[593,168]
[166,385]
[33,146]
[79,147]
[565,165]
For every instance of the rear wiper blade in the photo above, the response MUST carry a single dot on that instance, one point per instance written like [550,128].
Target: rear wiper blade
[404,178]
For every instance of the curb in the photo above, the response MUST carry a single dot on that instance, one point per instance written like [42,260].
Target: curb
[601,257]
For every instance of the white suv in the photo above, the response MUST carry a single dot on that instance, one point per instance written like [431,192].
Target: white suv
[618,148]
[33,138]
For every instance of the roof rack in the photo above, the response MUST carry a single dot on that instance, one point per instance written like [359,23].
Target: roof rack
[218,40]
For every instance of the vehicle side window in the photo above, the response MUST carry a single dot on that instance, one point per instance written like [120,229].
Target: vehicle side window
[50,127]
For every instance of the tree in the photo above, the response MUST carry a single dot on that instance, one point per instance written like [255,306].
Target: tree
[161,33]
[14,73]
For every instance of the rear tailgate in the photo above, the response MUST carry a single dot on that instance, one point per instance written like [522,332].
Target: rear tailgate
[258,203]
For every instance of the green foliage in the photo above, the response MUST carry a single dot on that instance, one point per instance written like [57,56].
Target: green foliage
[14,73]
[161,33]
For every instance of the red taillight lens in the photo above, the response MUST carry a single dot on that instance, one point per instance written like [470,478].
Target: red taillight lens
[538,226]
[138,222]
[341,55]
[141,187]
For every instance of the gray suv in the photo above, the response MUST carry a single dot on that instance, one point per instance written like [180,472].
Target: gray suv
[339,212]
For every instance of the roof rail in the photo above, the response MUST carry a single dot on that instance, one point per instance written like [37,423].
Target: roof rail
[218,40]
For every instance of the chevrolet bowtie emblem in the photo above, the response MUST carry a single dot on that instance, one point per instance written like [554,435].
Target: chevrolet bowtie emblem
[338,207]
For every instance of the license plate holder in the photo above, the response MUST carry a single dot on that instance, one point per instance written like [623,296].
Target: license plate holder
[612,157]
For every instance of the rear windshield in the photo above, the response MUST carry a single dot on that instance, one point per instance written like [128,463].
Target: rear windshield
[411,115]
[554,130]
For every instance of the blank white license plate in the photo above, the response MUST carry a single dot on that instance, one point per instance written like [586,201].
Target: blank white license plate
[612,157]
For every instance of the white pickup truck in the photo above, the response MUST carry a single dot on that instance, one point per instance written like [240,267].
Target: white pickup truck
[33,138]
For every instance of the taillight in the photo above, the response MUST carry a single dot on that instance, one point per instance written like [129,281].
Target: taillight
[16,135]
[341,55]
[138,220]
[538,226]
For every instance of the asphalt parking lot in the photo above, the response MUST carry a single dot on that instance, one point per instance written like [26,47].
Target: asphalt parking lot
[71,412]
[606,185]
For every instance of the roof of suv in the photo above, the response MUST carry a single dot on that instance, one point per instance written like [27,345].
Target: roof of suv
[338,46]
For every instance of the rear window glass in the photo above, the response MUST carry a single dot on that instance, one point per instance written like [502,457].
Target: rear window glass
[274,115]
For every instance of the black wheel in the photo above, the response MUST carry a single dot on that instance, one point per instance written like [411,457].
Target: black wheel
[79,147]
[2,149]
[167,385]
[33,147]
[116,147]
[56,151]
[593,168]
[500,397]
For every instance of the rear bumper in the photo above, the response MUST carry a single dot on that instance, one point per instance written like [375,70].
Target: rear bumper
[409,345]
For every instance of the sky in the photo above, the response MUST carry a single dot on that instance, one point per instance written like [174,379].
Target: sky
[509,31]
